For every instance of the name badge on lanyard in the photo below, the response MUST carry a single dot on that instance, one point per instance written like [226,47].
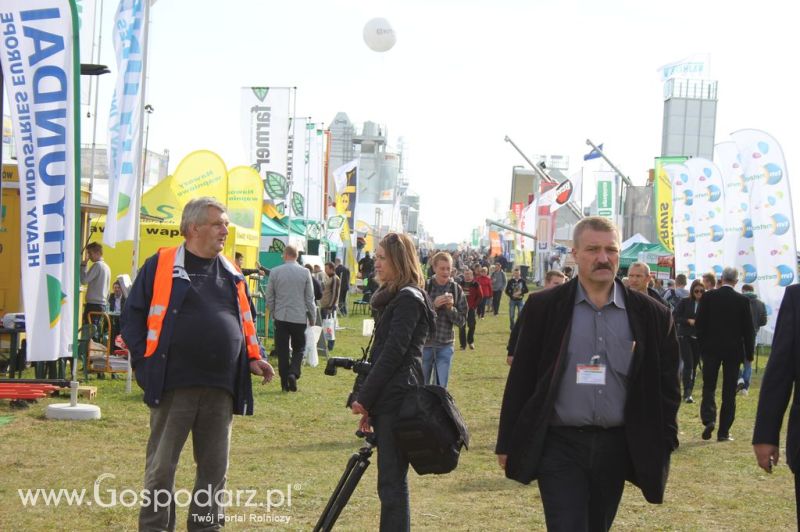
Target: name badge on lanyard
[593,373]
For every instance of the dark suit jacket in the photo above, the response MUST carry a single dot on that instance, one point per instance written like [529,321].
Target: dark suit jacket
[685,311]
[781,376]
[724,326]
[651,409]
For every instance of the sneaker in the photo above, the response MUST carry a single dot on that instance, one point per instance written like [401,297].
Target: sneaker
[689,399]
[743,392]
[463,348]
[472,347]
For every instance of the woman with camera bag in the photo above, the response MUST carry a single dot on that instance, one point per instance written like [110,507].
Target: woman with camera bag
[405,316]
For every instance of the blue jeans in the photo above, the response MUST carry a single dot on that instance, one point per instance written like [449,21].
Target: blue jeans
[392,477]
[442,355]
[746,373]
[513,308]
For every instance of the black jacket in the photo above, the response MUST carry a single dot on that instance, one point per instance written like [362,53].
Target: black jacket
[780,378]
[685,311]
[400,333]
[651,425]
[724,325]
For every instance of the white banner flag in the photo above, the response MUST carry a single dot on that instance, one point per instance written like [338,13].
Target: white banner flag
[265,130]
[772,225]
[709,213]
[86,10]
[41,68]
[683,226]
[315,198]
[528,225]
[739,246]
[125,122]
[566,191]
[340,175]
[299,153]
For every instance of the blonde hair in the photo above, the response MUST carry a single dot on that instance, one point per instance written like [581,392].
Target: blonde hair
[402,255]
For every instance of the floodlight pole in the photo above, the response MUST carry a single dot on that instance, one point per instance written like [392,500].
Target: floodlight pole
[625,178]
[544,176]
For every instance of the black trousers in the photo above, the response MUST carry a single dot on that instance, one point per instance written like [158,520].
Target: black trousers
[690,355]
[289,362]
[392,477]
[581,477]
[708,407]
[496,296]
[466,333]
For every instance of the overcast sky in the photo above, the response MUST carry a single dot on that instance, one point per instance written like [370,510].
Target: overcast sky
[463,74]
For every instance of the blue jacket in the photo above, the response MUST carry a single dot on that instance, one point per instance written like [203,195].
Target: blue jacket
[151,371]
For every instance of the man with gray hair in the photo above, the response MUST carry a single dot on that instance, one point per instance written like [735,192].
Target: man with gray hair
[592,395]
[726,336]
[290,300]
[188,323]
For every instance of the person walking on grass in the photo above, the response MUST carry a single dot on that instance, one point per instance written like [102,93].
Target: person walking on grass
[515,290]
[189,329]
[485,283]
[498,285]
[451,310]
[593,394]
[472,293]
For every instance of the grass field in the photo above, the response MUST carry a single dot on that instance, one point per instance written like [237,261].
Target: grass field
[303,440]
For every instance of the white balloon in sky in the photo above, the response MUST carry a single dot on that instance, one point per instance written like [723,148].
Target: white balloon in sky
[379,35]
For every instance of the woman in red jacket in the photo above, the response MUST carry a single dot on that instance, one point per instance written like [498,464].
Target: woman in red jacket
[485,283]
[473,294]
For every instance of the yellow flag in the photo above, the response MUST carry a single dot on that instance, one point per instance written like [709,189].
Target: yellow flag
[201,173]
[161,202]
[245,197]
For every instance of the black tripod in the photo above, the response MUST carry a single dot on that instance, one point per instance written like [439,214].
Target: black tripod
[356,465]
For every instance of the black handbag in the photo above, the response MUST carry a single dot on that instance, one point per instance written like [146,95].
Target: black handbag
[430,430]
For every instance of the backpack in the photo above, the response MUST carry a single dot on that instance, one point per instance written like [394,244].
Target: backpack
[430,430]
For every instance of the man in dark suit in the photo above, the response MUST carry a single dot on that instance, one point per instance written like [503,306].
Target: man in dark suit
[725,333]
[593,394]
[781,376]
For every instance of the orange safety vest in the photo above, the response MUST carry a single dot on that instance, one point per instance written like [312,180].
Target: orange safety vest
[162,289]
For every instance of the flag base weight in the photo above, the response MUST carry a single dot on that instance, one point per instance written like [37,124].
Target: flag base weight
[73,411]
[79,412]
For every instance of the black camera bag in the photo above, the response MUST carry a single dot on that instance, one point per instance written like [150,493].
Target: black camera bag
[430,430]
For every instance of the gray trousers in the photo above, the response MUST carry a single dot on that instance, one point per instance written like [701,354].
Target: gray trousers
[207,413]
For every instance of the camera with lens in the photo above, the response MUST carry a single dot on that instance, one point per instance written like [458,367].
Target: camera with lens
[359,366]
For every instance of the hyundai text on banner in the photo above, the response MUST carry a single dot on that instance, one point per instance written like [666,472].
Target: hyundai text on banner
[41,70]
[125,123]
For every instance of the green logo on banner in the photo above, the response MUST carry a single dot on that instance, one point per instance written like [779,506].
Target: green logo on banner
[123,202]
[260,92]
[55,299]
[298,204]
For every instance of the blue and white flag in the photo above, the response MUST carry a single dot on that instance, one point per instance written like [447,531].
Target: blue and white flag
[771,220]
[41,68]
[593,154]
[125,122]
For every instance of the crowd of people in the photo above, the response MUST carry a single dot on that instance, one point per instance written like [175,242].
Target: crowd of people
[599,363]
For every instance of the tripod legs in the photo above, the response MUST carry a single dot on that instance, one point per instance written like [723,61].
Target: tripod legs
[356,465]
